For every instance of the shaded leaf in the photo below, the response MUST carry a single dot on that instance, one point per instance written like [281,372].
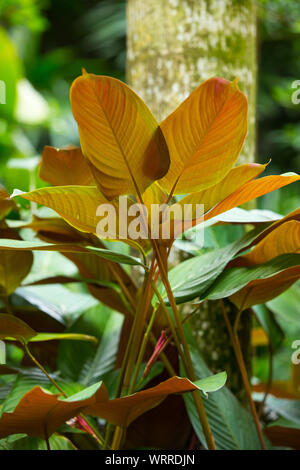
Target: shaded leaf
[61,167]
[283,433]
[13,327]
[6,204]
[14,267]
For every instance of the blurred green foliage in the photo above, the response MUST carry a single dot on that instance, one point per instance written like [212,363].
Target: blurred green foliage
[279,67]
[43,46]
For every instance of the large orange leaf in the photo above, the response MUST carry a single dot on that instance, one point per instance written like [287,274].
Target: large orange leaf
[233,180]
[294,215]
[205,135]
[41,412]
[252,190]
[208,198]
[122,411]
[118,135]
[285,238]
[61,167]
[76,204]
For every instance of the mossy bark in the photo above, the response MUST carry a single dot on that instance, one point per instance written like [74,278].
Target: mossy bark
[173,45]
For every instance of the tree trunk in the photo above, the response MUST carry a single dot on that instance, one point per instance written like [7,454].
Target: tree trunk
[173,46]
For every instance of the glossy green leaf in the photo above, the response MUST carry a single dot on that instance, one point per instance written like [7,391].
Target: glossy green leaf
[212,383]
[60,336]
[269,324]
[191,278]
[231,424]
[234,279]
[6,244]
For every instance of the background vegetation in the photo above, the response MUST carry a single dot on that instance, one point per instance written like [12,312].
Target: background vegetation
[43,46]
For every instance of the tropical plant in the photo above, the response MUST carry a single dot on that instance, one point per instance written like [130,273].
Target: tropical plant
[126,156]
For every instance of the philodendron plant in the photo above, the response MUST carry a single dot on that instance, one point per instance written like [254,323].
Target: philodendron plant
[143,183]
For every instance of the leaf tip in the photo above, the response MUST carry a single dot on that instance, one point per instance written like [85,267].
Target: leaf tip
[16,192]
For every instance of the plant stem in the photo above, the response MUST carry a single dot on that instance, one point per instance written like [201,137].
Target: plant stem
[142,352]
[171,324]
[97,435]
[133,345]
[241,363]
[36,362]
[119,435]
[189,364]
[270,372]
[47,437]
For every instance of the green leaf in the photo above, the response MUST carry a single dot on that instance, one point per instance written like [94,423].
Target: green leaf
[115,256]
[56,442]
[269,324]
[234,279]
[194,276]
[81,362]
[286,309]
[7,244]
[212,383]
[61,336]
[58,301]
[231,425]
[23,384]
[286,408]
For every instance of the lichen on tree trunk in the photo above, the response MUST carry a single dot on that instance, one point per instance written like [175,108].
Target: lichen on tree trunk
[174,45]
